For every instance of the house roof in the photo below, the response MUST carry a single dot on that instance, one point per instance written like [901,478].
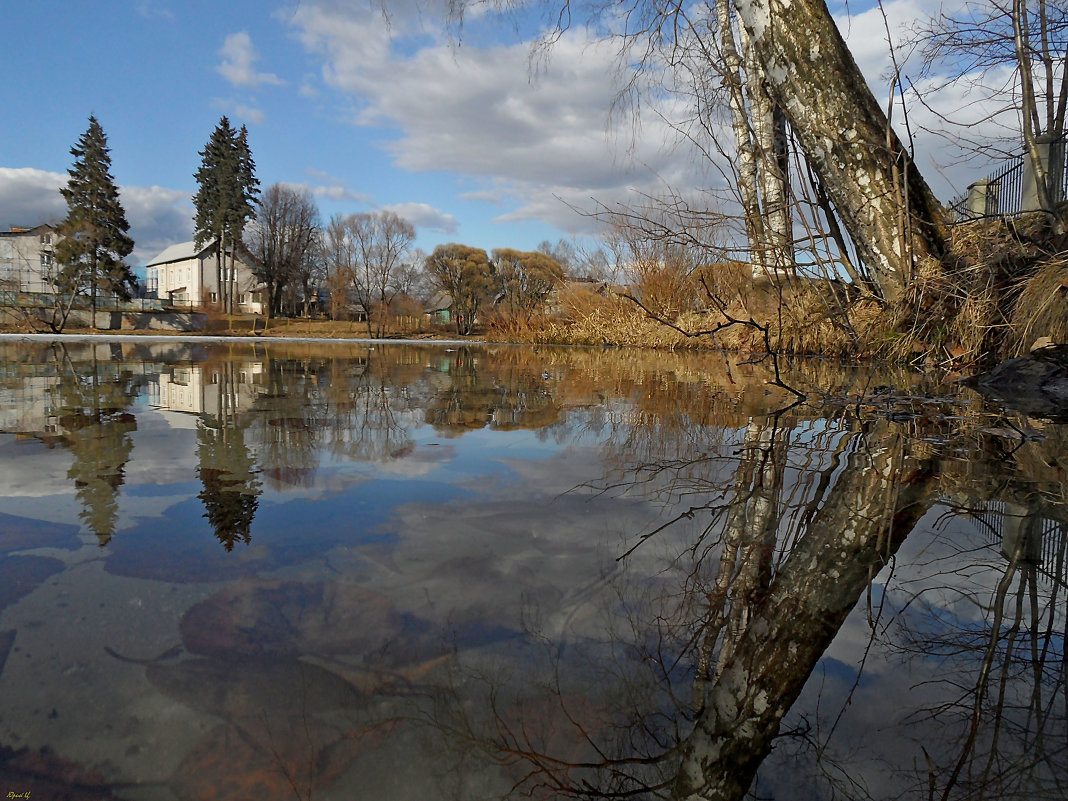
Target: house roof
[18,230]
[180,252]
[439,302]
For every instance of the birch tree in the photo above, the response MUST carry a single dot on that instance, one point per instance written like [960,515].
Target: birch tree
[792,51]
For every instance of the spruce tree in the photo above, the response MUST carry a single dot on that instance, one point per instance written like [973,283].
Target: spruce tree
[243,207]
[95,232]
[216,176]
[224,200]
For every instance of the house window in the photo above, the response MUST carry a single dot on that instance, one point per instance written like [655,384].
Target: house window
[46,259]
[46,239]
[214,297]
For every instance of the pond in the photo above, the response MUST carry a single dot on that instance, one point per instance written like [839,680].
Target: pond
[335,571]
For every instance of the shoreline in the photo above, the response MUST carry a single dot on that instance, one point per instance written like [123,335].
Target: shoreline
[189,337]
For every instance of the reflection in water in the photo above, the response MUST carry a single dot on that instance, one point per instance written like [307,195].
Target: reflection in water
[229,475]
[562,573]
[94,398]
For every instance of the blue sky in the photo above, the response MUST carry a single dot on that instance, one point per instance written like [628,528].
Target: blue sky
[463,140]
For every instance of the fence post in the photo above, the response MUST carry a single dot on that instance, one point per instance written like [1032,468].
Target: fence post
[1029,190]
[978,200]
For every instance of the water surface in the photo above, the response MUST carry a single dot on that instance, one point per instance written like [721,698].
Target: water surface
[273,571]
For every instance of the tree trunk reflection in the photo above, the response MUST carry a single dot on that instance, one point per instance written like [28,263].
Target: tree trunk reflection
[781,627]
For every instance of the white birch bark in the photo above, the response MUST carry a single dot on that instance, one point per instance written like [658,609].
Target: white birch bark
[883,201]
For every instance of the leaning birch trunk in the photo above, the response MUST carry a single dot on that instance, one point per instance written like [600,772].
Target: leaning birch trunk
[882,199]
[734,82]
[865,517]
[769,135]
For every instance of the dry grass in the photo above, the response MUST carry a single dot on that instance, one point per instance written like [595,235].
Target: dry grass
[1042,307]
[962,311]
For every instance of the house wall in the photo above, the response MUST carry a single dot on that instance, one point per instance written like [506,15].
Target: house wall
[27,259]
[180,281]
[194,281]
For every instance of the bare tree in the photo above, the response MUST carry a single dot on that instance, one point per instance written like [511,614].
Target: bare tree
[282,239]
[370,250]
[978,42]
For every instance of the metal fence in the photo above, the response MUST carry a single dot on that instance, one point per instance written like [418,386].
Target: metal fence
[1005,187]
[46,300]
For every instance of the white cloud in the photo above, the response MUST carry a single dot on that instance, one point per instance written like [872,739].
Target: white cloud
[239,111]
[249,113]
[30,197]
[153,10]
[536,144]
[158,217]
[424,216]
[955,114]
[238,64]
[543,145]
[333,188]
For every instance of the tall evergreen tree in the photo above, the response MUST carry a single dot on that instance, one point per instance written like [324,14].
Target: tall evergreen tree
[224,200]
[215,178]
[95,232]
[244,207]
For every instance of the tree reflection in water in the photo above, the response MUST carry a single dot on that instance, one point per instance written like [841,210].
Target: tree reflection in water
[691,700]
[93,398]
[702,665]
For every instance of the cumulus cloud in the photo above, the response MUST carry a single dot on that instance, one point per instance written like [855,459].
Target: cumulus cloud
[249,113]
[325,185]
[950,117]
[158,217]
[545,145]
[153,10]
[538,144]
[30,197]
[424,216]
[239,60]
[239,111]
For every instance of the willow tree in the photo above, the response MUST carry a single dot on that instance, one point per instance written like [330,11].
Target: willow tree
[464,272]
[94,234]
[524,280]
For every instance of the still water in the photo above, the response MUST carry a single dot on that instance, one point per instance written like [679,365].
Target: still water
[267,571]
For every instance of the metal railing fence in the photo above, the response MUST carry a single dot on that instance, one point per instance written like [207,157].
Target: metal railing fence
[1005,187]
[46,300]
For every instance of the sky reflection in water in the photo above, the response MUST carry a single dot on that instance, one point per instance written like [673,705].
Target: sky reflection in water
[411,571]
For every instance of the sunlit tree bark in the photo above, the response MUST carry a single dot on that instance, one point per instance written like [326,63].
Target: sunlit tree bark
[882,199]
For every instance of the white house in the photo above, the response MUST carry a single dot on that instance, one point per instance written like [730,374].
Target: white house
[187,275]
[27,259]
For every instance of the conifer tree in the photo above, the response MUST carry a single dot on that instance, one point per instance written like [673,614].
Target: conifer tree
[95,232]
[215,177]
[224,200]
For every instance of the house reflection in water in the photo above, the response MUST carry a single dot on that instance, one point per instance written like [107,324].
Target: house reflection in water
[217,392]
